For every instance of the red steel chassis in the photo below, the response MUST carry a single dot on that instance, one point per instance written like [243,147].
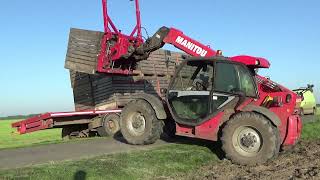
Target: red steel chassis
[58,119]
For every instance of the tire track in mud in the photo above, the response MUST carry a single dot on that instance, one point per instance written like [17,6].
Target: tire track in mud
[302,162]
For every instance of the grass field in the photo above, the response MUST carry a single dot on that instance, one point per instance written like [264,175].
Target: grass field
[164,161]
[311,130]
[9,138]
[171,160]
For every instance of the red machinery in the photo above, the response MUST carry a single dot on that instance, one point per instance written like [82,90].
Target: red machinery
[119,52]
[58,119]
[115,45]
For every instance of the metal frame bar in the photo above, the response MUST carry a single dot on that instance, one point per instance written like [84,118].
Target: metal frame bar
[46,121]
[108,22]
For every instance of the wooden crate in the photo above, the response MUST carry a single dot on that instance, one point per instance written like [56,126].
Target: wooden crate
[83,50]
[101,91]
[92,90]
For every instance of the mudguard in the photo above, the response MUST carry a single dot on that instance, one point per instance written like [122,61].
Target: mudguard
[264,111]
[156,104]
[293,130]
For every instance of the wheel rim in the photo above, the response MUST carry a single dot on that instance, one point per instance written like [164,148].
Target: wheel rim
[247,141]
[136,124]
[112,126]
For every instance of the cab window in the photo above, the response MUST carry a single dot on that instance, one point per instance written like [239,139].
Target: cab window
[226,78]
[190,94]
[247,84]
[234,78]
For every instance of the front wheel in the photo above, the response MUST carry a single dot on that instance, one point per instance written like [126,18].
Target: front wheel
[139,123]
[249,138]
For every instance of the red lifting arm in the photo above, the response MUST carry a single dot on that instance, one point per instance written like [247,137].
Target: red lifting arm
[192,47]
[188,45]
[116,46]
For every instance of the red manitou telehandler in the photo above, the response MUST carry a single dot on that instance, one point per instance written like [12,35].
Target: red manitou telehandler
[209,97]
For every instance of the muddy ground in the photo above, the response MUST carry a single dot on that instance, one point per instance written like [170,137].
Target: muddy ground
[302,162]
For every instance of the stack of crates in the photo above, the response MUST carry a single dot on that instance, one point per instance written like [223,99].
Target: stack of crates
[93,90]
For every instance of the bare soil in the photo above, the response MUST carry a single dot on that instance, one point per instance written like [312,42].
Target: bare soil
[301,162]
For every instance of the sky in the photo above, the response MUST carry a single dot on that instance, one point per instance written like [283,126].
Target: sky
[34,37]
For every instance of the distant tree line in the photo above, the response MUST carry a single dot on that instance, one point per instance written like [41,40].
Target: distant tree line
[17,117]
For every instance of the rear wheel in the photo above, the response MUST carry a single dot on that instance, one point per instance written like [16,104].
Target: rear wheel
[249,139]
[139,123]
[110,125]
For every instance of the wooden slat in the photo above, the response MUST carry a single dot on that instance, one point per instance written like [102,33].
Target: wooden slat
[83,48]
[82,53]
[81,60]
[80,67]
[118,90]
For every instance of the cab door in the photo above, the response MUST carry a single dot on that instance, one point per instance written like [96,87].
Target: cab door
[202,88]
[190,91]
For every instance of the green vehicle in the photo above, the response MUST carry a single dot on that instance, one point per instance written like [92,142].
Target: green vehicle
[308,104]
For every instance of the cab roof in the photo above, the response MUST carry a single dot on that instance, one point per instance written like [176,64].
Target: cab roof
[250,61]
[255,62]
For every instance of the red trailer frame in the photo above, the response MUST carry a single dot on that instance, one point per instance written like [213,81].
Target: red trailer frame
[58,119]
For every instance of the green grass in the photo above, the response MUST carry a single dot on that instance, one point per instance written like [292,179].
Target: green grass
[311,130]
[170,160]
[9,138]
[165,161]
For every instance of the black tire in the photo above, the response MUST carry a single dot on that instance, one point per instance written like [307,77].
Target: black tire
[110,125]
[249,138]
[278,143]
[139,124]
